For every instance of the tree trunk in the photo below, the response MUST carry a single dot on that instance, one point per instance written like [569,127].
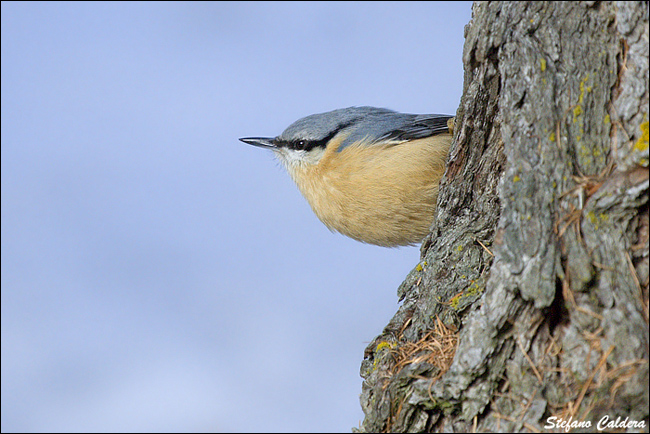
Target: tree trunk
[531,298]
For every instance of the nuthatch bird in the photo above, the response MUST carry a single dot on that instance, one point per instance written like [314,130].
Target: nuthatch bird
[369,173]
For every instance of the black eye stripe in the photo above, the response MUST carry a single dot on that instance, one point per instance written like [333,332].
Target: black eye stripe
[308,145]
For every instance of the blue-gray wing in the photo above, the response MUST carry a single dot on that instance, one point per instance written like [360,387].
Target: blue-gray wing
[394,128]
[417,127]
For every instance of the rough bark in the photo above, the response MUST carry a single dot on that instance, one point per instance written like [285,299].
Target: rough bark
[538,260]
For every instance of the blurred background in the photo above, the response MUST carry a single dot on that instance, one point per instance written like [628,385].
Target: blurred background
[160,275]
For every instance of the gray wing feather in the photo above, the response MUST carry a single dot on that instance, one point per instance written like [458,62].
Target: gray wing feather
[396,128]
[419,127]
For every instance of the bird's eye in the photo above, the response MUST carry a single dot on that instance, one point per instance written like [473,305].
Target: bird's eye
[301,145]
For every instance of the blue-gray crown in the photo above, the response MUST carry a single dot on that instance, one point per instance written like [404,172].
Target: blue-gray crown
[370,124]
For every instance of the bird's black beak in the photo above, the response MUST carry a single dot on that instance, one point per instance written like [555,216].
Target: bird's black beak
[262,142]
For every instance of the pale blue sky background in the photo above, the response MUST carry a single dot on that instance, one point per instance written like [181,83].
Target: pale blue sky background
[160,275]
